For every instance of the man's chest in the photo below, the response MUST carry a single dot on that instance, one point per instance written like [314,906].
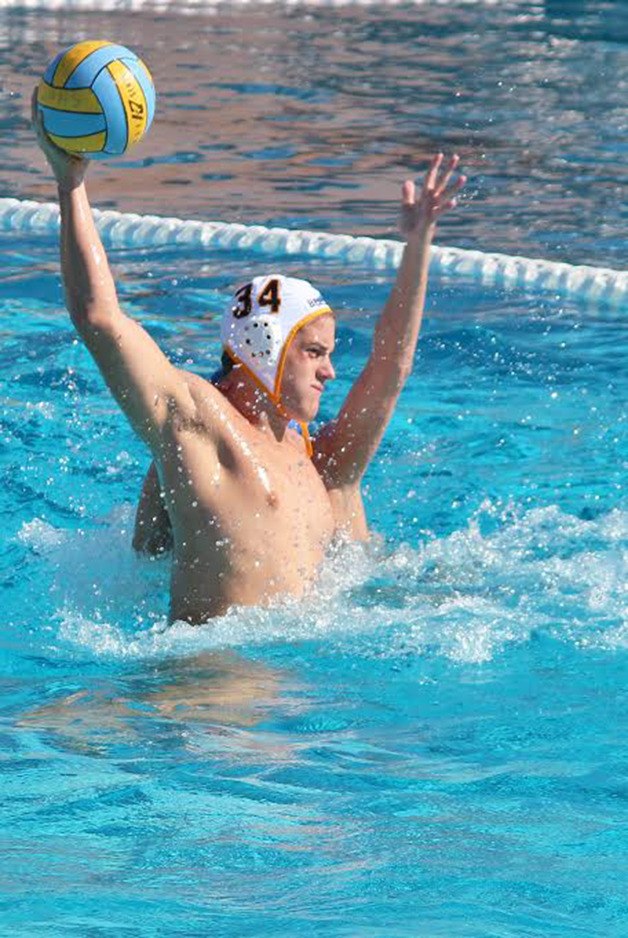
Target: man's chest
[243,480]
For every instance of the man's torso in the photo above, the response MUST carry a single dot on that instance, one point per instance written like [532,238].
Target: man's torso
[251,516]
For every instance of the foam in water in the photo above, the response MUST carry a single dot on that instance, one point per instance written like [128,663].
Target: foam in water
[466,596]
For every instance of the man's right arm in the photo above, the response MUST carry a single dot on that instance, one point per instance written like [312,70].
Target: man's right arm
[142,380]
[145,384]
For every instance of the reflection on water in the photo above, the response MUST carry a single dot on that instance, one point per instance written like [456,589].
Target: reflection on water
[206,701]
[311,118]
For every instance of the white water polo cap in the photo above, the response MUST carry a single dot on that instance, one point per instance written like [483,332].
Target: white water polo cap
[265,316]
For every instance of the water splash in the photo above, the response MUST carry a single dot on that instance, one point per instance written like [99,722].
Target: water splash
[508,574]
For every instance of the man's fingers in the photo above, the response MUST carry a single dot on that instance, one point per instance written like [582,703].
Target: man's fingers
[408,204]
[455,187]
[35,115]
[445,206]
[437,195]
[38,124]
[444,182]
[432,173]
[407,193]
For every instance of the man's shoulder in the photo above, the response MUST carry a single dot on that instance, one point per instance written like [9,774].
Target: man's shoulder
[206,404]
[204,389]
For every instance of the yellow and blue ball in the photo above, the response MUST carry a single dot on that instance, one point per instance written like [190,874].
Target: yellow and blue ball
[97,99]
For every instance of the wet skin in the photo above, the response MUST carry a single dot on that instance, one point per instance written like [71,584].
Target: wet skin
[251,513]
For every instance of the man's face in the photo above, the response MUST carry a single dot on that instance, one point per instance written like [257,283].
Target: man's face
[307,367]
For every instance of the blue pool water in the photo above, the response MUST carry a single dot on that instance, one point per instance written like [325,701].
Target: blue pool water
[434,743]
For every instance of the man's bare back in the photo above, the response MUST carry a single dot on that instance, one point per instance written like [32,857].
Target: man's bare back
[251,507]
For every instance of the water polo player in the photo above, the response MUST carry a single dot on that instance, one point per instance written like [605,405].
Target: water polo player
[252,507]
[257,330]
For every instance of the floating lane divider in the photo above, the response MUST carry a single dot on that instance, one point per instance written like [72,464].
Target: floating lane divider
[589,284]
[208,6]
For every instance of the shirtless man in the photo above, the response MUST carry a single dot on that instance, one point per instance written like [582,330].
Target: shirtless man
[252,504]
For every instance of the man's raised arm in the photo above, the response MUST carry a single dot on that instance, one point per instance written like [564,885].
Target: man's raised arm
[143,381]
[344,448]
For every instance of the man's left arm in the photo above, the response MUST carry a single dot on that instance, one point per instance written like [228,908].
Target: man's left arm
[344,448]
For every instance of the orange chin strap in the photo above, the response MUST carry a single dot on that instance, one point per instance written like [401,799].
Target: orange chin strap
[276,400]
[305,433]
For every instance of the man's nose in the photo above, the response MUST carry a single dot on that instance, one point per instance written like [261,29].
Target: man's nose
[326,370]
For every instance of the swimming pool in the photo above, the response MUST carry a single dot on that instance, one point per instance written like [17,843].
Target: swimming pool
[434,743]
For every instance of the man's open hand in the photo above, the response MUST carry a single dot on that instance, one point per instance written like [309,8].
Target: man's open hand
[420,211]
[68,169]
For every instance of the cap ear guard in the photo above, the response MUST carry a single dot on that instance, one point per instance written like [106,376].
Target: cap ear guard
[262,338]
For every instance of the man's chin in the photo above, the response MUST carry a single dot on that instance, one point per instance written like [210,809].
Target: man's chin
[304,416]
[312,413]
[305,413]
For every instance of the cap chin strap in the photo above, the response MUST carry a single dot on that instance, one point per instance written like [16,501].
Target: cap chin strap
[274,399]
[305,433]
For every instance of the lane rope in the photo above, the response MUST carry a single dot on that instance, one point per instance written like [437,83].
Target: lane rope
[210,6]
[583,283]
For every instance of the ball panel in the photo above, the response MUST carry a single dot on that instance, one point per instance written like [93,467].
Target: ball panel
[81,100]
[70,124]
[133,101]
[89,67]
[92,144]
[50,71]
[70,60]
[104,88]
[143,76]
